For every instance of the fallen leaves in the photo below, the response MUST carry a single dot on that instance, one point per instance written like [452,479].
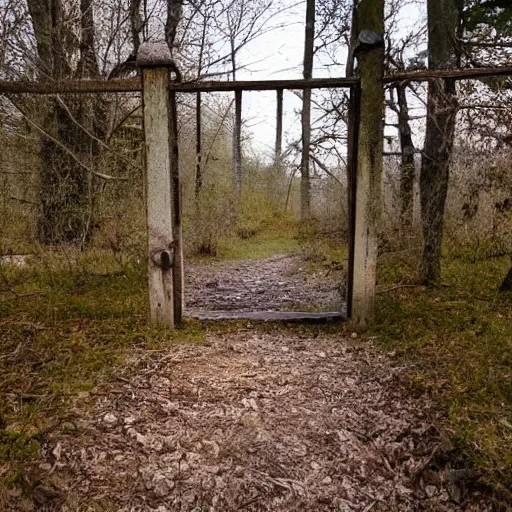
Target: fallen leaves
[320,425]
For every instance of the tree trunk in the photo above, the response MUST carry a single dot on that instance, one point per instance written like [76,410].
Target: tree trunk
[88,64]
[136,24]
[199,157]
[174,12]
[440,129]
[349,70]
[305,186]
[407,168]
[237,131]
[65,190]
[279,128]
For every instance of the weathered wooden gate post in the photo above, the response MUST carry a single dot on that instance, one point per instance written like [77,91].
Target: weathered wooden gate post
[366,207]
[163,253]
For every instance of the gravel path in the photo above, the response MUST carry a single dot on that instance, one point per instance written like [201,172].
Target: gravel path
[288,420]
[278,283]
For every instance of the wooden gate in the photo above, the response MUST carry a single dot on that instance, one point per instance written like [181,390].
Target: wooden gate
[159,84]
[165,250]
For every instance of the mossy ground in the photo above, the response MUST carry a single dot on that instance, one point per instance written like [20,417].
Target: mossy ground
[63,330]
[457,341]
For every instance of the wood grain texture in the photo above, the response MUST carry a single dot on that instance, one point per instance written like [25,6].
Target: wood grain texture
[159,192]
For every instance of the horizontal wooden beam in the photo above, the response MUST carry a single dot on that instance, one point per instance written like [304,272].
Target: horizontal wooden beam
[455,74]
[266,316]
[266,85]
[71,86]
[134,85]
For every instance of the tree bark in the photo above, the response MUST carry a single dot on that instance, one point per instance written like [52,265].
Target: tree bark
[88,64]
[65,190]
[136,24]
[237,129]
[199,158]
[439,137]
[407,168]
[305,186]
[174,12]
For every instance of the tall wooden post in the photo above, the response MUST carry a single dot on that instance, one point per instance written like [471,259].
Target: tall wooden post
[163,252]
[368,173]
[352,156]
[237,147]
[279,128]
[177,229]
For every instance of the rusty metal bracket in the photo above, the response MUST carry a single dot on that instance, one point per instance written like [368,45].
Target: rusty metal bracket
[164,259]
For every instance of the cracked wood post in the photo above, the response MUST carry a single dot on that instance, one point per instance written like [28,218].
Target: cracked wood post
[367,188]
[155,61]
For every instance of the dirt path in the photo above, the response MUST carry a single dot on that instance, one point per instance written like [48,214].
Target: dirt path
[278,283]
[289,420]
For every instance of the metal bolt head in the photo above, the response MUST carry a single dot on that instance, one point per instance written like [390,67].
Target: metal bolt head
[370,38]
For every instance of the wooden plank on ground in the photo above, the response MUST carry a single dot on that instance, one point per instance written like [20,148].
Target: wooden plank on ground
[265,316]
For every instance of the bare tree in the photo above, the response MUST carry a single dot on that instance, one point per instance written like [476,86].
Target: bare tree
[305,186]
[407,166]
[244,20]
[206,15]
[443,21]
[399,104]
[65,189]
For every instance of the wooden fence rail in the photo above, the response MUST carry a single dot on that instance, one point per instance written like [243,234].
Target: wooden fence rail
[135,85]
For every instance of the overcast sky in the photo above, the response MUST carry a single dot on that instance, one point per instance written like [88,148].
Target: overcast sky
[278,55]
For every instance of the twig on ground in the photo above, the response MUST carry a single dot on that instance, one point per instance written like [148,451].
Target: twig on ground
[397,286]
[370,506]
[8,288]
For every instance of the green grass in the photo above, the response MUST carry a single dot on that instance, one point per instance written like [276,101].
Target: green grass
[458,340]
[256,248]
[57,345]
[322,251]
[280,238]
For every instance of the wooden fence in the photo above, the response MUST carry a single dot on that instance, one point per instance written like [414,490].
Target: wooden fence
[165,250]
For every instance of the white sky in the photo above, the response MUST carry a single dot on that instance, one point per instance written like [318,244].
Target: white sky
[278,55]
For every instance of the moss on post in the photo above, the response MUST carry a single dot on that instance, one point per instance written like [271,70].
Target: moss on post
[370,68]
